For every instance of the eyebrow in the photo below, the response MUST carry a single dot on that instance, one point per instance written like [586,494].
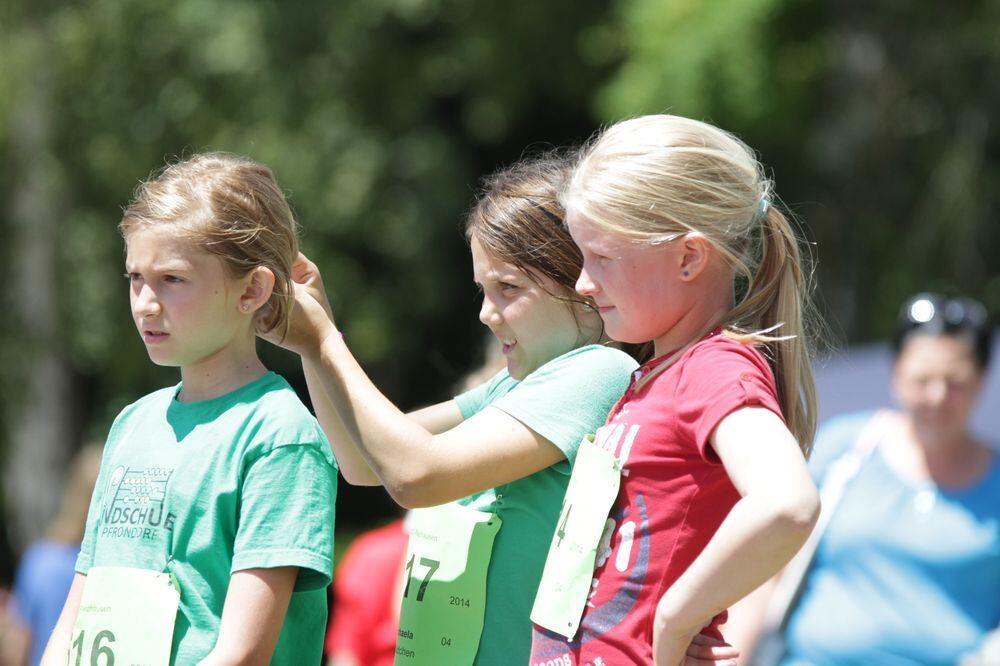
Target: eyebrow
[177,266]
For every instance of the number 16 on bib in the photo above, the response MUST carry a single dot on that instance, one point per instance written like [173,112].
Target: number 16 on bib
[126,617]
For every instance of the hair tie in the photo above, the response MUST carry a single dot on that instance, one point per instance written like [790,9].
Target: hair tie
[762,207]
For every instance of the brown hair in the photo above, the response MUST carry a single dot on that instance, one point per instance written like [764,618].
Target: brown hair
[653,177]
[520,219]
[229,206]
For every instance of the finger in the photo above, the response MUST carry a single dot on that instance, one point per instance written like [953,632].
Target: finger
[712,652]
[708,647]
[303,268]
[691,661]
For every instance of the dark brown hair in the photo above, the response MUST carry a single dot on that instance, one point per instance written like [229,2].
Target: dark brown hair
[519,219]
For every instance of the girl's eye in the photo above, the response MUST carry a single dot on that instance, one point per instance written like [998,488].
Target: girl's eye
[131,277]
[172,279]
[506,286]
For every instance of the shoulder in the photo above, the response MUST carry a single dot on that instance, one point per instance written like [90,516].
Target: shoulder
[157,400]
[718,366]
[139,414]
[593,361]
[722,351]
[280,419]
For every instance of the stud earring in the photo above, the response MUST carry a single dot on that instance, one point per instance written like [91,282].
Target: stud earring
[244,307]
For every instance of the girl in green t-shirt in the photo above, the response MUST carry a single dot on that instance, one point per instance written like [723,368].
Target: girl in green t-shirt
[503,449]
[182,560]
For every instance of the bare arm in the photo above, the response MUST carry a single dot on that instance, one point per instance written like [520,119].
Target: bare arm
[417,466]
[778,509]
[252,616]
[57,649]
[353,466]
[435,419]
[439,418]
[746,618]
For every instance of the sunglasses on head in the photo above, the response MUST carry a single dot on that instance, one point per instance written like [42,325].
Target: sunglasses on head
[935,314]
[942,313]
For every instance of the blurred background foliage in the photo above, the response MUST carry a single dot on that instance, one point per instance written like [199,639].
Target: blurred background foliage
[380,116]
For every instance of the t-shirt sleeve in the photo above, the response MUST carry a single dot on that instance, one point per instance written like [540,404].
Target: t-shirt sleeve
[570,397]
[474,400]
[718,379]
[287,514]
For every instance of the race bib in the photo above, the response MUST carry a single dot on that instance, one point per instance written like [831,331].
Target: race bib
[126,617]
[569,567]
[444,586]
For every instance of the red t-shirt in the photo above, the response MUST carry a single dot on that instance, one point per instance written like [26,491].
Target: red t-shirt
[365,618]
[674,495]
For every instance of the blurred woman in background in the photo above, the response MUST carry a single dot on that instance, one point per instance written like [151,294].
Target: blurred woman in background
[906,569]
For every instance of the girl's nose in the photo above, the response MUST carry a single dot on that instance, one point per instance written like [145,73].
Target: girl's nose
[146,303]
[584,284]
[488,313]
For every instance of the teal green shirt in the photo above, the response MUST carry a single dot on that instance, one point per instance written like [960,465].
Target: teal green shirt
[564,400]
[205,489]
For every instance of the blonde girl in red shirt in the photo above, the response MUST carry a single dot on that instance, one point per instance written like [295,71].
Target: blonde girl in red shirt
[684,246]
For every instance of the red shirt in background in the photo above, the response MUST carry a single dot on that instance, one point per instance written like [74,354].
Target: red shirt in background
[365,615]
[674,495]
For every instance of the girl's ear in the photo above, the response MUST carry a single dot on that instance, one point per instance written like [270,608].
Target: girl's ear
[258,286]
[694,255]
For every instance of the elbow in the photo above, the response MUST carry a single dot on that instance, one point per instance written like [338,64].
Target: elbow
[796,514]
[412,488]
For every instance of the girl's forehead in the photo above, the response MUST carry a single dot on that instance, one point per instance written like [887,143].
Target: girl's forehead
[486,262]
[153,245]
[587,232]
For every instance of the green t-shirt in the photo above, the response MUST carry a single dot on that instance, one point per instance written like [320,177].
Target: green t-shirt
[204,489]
[564,400]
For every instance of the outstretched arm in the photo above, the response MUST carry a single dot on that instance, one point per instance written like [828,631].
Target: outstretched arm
[435,418]
[419,467]
[766,527]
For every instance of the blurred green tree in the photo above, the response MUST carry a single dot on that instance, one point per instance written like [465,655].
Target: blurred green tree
[378,117]
[874,117]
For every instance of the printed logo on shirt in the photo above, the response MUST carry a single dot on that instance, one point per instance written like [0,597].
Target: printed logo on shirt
[617,439]
[133,506]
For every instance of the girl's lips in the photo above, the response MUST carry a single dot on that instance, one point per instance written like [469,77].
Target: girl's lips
[153,337]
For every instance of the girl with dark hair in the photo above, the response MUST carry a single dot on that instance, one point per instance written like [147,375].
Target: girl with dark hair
[500,455]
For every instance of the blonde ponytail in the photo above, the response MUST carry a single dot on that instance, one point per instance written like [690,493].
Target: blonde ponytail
[772,314]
